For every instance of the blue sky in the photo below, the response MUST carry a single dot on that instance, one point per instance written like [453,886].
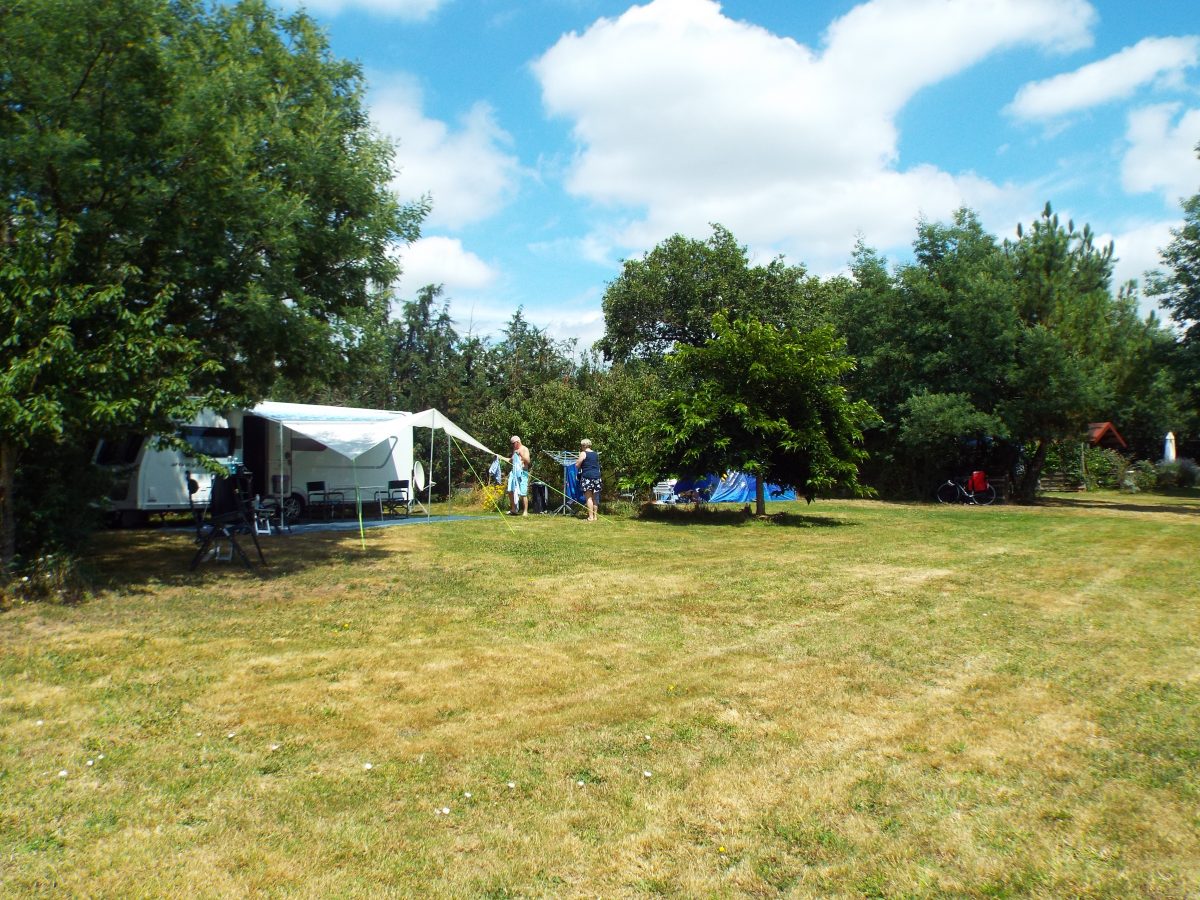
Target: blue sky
[558,137]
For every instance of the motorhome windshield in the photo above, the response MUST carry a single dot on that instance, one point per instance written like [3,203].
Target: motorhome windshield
[215,442]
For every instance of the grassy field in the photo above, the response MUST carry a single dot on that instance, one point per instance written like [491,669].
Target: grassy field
[856,699]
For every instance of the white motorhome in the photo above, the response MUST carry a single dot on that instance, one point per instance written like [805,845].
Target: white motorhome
[281,446]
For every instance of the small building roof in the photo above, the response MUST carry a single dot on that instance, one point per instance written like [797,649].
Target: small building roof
[1105,434]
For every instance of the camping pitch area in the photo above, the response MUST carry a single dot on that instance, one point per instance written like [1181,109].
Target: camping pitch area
[857,699]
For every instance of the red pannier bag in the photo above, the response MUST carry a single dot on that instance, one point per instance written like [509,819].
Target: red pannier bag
[977,482]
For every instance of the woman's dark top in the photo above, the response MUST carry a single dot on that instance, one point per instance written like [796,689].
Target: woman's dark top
[591,465]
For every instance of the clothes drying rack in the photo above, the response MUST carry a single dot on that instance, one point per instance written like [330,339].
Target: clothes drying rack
[564,458]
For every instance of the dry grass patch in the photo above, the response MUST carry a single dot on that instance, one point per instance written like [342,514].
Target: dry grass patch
[855,699]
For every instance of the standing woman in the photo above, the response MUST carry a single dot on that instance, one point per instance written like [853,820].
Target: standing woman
[588,465]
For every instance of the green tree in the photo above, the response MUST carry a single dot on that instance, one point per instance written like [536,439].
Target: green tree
[614,407]
[524,357]
[932,432]
[934,343]
[1149,382]
[765,400]
[1062,373]
[75,357]
[214,163]
[668,297]
[1177,290]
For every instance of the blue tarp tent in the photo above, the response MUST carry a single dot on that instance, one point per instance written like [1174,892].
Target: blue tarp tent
[735,487]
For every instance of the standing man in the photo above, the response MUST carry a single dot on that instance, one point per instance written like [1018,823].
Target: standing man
[518,478]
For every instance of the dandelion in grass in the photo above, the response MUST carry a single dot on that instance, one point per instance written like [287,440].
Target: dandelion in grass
[367,767]
[41,721]
[91,762]
[274,747]
[512,784]
[62,773]
[646,774]
[231,735]
[580,783]
[467,794]
[445,810]
[101,756]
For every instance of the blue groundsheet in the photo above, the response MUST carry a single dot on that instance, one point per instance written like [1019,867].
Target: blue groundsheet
[352,524]
[735,487]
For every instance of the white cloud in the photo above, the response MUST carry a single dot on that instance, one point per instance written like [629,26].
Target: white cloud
[466,170]
[442,260]
[1162,156]
[700,118]
[412,10]
[1114,78]
[1137,253]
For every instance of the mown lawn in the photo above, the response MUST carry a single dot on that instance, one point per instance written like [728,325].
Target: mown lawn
[860,699]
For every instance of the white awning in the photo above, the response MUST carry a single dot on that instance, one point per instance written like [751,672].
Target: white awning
[348,430]
[431,418]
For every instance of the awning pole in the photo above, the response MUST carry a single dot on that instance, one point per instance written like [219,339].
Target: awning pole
[362,537]
[429,492]
[449,491]
[282,505]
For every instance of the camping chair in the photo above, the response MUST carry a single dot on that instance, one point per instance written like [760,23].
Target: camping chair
[664,491]
[396,497]
[319,495]
[226,516]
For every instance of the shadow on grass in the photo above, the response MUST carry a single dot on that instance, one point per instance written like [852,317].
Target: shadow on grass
[709,515]
[1179,509]
[140,560]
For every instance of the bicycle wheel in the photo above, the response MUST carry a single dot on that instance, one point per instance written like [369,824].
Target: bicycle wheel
[948,492]
[986,496]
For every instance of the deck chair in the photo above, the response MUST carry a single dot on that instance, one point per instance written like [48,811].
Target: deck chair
[318,495]
[225,518]
[395,498]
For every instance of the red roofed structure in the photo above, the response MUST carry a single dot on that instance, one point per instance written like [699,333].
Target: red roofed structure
[1104,434]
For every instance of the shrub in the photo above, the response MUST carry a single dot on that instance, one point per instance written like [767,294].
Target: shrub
[1104,468]
[1179,473]
[1141,476]
[52,578]
[1062,458]
[488,497]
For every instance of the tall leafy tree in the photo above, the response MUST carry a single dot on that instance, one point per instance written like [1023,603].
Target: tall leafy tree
[935,343]
[668,297]
[216,163]
[220,151]
[76,356]
[524,357]
[1177,289]
[765,400]
[1064,304]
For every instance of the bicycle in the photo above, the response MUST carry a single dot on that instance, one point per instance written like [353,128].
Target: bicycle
[953,491]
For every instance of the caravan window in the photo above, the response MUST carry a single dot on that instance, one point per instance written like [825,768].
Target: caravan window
[215,442]
[119,451]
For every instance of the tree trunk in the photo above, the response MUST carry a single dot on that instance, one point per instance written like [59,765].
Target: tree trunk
[8,527]
[1027,491]
[760,496]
